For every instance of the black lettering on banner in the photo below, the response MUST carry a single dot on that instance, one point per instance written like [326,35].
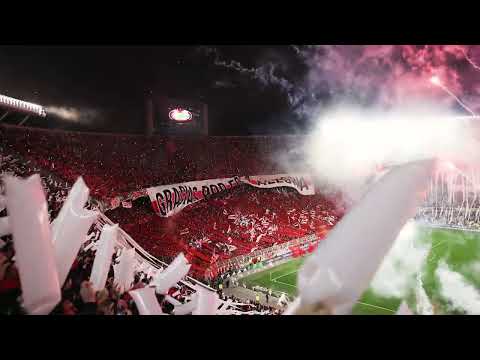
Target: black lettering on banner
[168,199]
[222,187]
[183,195]
[181,190]
[190,195]
[303,184]
[288,180]
[214,189]
[161,204]
[300,183]
[230,183]
[237,179]
[294,181]
[205,191]
[177,200]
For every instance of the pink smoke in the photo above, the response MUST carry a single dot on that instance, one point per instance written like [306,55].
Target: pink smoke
[374,74]
[392,74]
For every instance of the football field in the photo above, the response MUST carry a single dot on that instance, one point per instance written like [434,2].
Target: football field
[459,249]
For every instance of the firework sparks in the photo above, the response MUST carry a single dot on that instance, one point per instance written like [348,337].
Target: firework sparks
[436,81]
[470,61]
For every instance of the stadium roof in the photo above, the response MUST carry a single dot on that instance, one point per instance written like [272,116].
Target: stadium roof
[21,106]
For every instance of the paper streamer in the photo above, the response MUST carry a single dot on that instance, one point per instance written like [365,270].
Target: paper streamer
[176,271]
[172,300]
[92,246]
[188,307]
[294,307]
[5,228]
[32,240]
[224,310]
[149,271]
[70,232]
[77,197]
[103,257]
[332,275]
[207,303]
[146,301]
[124,270]
[424,306]
[282,300]
[3,202]
[141,267]
[404,309]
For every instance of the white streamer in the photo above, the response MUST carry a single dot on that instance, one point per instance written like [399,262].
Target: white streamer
[32,240]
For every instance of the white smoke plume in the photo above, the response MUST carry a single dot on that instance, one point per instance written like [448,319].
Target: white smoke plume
[72,114]
[457,290]
[264,74]
[472,268]
[424,306]
[397,276]
[349,144]
[369,74]
[387,74]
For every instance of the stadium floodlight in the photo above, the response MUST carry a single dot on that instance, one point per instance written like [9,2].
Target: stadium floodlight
[180,115]
[22,106]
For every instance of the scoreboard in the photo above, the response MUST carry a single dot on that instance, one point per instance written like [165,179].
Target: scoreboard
[170,116]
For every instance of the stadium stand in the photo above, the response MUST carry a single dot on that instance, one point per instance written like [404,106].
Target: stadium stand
[77,295]
[228,225]
[224,226]
[113,164]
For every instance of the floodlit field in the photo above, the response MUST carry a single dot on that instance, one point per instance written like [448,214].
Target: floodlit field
[459,249]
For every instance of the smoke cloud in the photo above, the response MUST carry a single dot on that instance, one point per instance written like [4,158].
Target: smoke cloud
[387,74]
[397,275]
[423,306]
[349,144]
[366,74]
[266,74]
[455,288]
[74,115]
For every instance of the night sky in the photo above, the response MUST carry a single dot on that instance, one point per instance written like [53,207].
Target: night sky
[109,84]
[249,89]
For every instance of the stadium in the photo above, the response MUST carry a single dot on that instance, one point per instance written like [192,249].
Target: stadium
[176,221]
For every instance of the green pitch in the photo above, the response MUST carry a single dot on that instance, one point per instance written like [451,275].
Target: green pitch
[459,249]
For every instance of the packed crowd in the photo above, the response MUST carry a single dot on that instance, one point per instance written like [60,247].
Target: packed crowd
[56,189]
[252,306]
[230,224]
[78,296]
[442,208]
[114,165]
[455,217]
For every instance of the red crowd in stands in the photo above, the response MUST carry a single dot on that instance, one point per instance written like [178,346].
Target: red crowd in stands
[221,227]
[114,165]
[228,225]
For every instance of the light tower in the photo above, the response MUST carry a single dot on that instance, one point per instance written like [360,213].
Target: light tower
[13,105]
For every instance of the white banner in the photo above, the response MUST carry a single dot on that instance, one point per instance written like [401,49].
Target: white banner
[127,204]
[301,182]
[168,200]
